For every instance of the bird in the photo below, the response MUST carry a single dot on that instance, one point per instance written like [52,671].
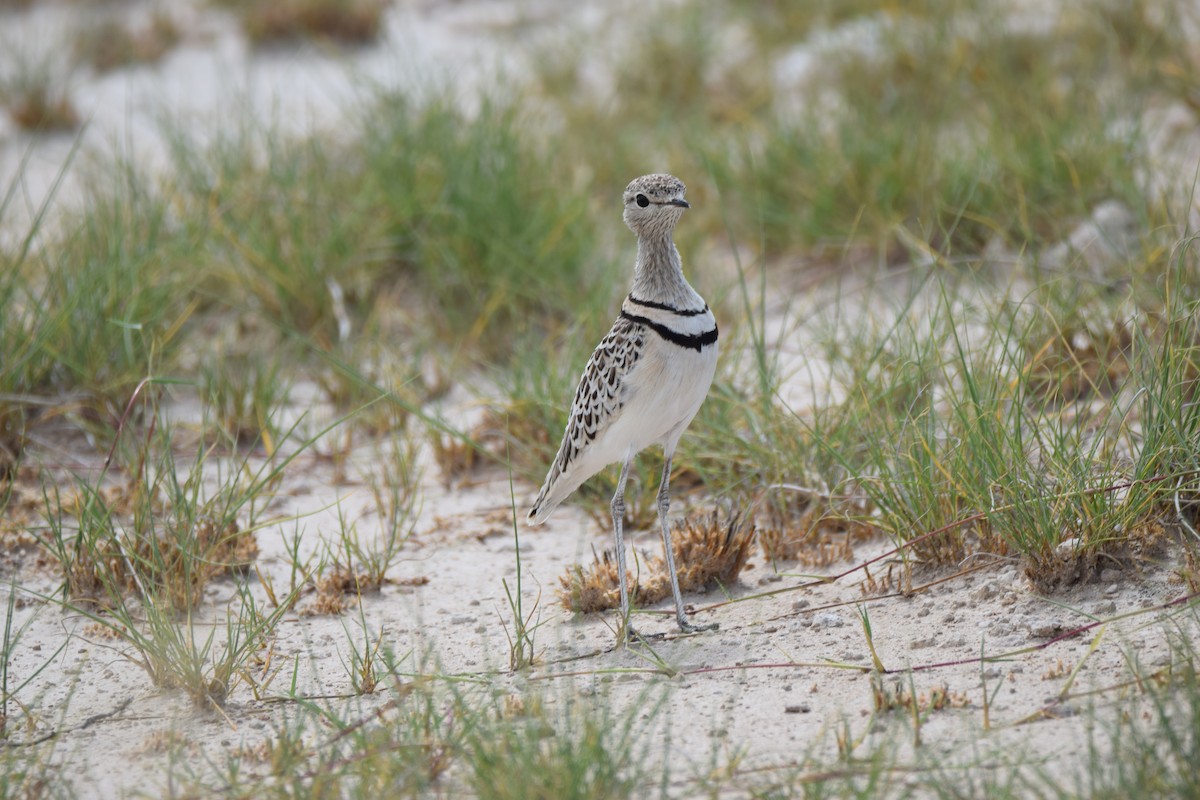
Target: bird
[644,382]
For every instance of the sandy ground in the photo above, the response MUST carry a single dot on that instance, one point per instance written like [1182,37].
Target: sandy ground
[784,672]
[789,665]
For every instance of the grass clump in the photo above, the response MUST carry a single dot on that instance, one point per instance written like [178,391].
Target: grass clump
[245,392]
[1004,134]
[156,537]
[111,44]
[314,235]
[37,97]
[89,314]
[1148,753]
[523,750]
[947,423]
[356,562]
[339,247]
[138,561]
[425,740]
[812,530]
[709,551]
[482,218]
[281,230]
[863,125]
[342,21]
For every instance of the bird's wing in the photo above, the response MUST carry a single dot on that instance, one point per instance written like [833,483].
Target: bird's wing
[603,391]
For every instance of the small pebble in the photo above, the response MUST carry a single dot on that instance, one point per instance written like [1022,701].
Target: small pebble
[828,619]
[1045,628]
[986,591]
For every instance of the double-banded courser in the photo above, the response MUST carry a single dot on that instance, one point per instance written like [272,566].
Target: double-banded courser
[646,380]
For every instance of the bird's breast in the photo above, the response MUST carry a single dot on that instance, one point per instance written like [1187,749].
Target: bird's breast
[689,328]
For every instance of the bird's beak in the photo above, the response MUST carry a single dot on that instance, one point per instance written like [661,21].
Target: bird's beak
[680,202]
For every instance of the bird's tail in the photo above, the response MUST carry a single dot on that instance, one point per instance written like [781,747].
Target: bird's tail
[558,487]
[544,505]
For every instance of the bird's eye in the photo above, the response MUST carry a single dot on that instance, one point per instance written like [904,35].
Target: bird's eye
[642,200]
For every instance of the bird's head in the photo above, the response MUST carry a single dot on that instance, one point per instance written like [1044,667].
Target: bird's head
[654,203]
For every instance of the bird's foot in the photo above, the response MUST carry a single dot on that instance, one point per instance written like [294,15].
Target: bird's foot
[688,627]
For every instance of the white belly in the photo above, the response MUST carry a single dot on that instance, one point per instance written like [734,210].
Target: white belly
[665,390]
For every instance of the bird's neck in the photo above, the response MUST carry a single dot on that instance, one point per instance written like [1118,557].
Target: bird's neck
[658,274]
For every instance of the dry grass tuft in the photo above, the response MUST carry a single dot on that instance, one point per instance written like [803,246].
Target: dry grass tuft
[119,499]
[594,588]
[708,551]
[39,108]
[346,21]
[16,538]
[166,741]
[341,587]
[179,574]
[899,695]
[455,457]
[21,505]
[458,457]
[112,44]
[336,591]
[174,564]
[896,577]
[1059,669]
[815,533]
[1188,572]
[96,630]
[1069,564]
[12,439]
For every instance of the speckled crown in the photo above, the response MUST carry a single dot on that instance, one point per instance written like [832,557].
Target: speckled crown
[659,186]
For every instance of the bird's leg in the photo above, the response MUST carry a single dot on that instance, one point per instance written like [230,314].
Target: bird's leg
[626,631]
[664,504]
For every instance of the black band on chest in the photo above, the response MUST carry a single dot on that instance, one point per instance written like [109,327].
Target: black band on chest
[692,341]
[682,312]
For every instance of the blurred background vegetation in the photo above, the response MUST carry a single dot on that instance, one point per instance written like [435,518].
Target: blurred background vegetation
[439,240]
